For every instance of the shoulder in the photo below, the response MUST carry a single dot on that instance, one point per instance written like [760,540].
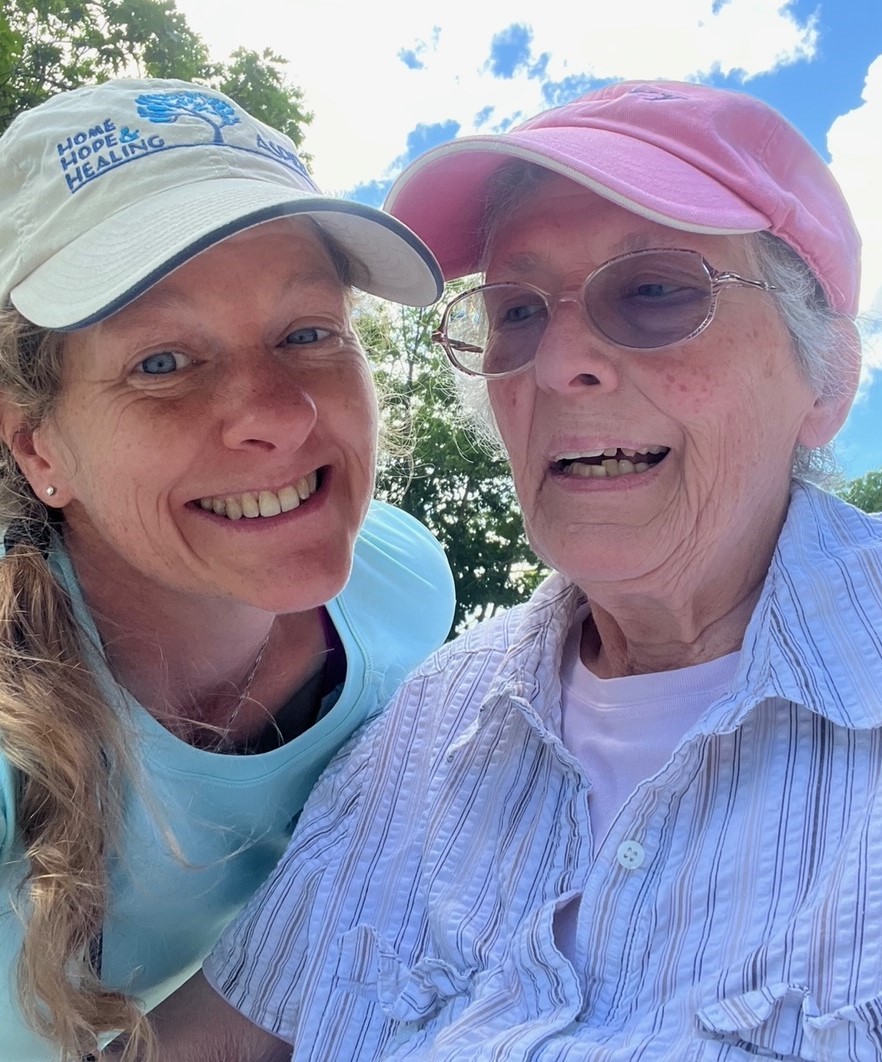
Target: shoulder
[354,854]
[826,543]
[393,546]
[822,522]
[443,698]
[401,586]
[535,625]
[814,635]
[429,709]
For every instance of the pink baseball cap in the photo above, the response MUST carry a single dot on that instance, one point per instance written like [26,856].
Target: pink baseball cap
[689,156]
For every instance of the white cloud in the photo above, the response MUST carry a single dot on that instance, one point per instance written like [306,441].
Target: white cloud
[345,57]
[856,160]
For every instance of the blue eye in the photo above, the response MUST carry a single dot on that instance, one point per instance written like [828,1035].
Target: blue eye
[522,312]
[653,290]
[304,336]
[507,307]
[163,363]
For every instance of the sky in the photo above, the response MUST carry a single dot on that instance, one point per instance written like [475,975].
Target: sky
[388,79]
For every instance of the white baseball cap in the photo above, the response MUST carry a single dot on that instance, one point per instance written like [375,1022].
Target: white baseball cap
[107,189]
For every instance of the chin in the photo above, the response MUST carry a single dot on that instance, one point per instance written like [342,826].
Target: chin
[303,596]
[600,569]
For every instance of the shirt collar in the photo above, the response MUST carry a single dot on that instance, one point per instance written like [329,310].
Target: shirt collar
[815,637]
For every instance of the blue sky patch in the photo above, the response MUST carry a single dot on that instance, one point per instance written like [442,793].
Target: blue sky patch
[539,67]
[371,193]
[411,60]
[424,137]
[557,92]
[510,51]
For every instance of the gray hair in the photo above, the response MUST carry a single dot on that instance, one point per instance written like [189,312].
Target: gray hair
[814,327]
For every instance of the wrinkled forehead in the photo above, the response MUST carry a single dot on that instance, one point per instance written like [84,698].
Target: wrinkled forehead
[558,225]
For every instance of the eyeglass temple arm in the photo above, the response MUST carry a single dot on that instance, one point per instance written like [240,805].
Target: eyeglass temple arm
[464,348]
[728,277]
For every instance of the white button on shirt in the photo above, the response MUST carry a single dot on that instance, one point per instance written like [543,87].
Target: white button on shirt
[413,916]
[630,855]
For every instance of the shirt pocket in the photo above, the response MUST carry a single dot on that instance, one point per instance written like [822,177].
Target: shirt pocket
[782,1020]
[370,966]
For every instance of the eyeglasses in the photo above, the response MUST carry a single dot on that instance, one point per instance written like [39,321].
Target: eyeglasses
[643,300]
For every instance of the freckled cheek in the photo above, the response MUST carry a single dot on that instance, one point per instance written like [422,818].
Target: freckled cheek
[687,391]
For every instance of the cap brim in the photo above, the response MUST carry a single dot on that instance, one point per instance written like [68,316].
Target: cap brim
[442,195]
[111,265]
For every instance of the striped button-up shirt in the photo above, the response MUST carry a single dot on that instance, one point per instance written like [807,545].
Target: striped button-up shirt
[734,909]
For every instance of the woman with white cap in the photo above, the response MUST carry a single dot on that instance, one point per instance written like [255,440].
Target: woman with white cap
[640,816]
[198,601]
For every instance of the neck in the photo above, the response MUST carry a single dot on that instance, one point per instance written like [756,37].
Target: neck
[613,647]
[188,657]
[684,615]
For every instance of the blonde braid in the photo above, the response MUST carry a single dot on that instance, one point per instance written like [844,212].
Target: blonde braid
[64,741]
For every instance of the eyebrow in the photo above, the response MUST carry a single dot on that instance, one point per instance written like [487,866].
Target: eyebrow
[642,241]
[522,263]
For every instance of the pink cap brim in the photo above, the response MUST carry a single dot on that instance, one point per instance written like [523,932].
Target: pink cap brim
[442,195]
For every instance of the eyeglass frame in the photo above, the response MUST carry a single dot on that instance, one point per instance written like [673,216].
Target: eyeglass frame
[718,278]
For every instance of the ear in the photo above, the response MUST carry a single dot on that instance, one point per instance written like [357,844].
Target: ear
[34,453]
[829,412]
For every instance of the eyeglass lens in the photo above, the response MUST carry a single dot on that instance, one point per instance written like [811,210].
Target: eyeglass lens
[641,301]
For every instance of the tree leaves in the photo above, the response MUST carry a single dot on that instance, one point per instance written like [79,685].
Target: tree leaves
[865,492]
[258,79]
[50,46]
[436,470]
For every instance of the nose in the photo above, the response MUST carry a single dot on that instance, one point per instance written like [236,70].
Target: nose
[263,406]
[571,355]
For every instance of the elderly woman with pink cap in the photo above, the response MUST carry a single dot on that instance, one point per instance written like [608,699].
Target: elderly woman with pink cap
[198,600]
[640,816]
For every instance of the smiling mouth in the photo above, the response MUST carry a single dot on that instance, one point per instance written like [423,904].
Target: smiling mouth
[263,503]
[608,463]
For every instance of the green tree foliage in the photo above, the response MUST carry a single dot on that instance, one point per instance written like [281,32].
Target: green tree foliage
[865,492]
[454,485]
[49,46]
[257,81]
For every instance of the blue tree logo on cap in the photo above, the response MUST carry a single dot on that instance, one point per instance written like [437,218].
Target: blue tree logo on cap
[167,107]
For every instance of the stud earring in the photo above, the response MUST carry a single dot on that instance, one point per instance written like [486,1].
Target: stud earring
[50,491]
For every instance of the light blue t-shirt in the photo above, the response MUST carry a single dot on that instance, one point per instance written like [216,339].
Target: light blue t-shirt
[230,816]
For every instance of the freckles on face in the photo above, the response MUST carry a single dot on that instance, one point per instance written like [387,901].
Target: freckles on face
[237,376]
[689,388]
[727,406]
[113,437]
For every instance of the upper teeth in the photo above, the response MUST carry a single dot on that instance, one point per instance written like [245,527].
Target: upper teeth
[616,461]
[251,504]
[611,451]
